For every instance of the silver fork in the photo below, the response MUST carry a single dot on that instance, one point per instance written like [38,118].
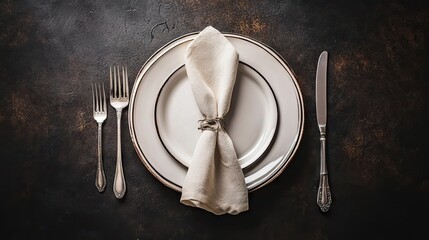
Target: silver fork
[119,96]
[99,108]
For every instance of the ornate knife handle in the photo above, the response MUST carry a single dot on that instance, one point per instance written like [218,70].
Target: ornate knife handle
[324,199]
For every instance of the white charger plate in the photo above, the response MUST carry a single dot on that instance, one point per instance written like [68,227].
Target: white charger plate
[265,120]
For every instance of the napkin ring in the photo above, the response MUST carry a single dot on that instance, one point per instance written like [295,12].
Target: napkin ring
[213,124]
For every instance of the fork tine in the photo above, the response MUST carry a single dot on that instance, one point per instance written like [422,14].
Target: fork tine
[93,98]
[111,83]
[118,70]
[123,82]
[115,87]
[97,104]
[126,82]
[98,97]
[114,82]
[118,82]
[101,97]
[104,100]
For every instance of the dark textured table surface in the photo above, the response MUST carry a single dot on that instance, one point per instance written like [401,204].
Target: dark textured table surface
[50,52]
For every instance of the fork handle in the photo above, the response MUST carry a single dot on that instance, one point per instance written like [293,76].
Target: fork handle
[324,199]
[100,177]
[119,186]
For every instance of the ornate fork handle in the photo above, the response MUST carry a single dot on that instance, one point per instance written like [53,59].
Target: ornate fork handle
[119,186]
[324,198]
[100,178]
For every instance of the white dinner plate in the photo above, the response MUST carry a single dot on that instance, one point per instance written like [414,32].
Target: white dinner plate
[177,116]
[265,120]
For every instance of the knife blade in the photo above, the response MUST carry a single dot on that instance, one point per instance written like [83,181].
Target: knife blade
[324,199]
[321,73]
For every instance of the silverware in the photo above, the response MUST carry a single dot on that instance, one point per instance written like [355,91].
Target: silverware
[324,199]
[119,97]
[100,114]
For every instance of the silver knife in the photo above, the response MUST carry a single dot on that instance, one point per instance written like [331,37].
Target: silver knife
[324,199]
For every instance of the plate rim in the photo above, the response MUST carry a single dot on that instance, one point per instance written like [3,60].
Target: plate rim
[267,48]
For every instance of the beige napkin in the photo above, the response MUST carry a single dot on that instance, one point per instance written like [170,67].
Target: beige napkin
[215,181]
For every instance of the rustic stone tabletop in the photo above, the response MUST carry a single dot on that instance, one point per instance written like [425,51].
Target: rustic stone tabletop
[51,51]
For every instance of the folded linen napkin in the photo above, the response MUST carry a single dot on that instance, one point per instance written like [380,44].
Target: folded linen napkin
[214,181]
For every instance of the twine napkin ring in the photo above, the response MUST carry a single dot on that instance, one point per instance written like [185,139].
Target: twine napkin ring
[212,124]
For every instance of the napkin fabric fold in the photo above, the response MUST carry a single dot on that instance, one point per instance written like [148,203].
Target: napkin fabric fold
[215,180]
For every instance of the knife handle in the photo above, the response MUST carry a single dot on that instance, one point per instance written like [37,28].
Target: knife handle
[324,199]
